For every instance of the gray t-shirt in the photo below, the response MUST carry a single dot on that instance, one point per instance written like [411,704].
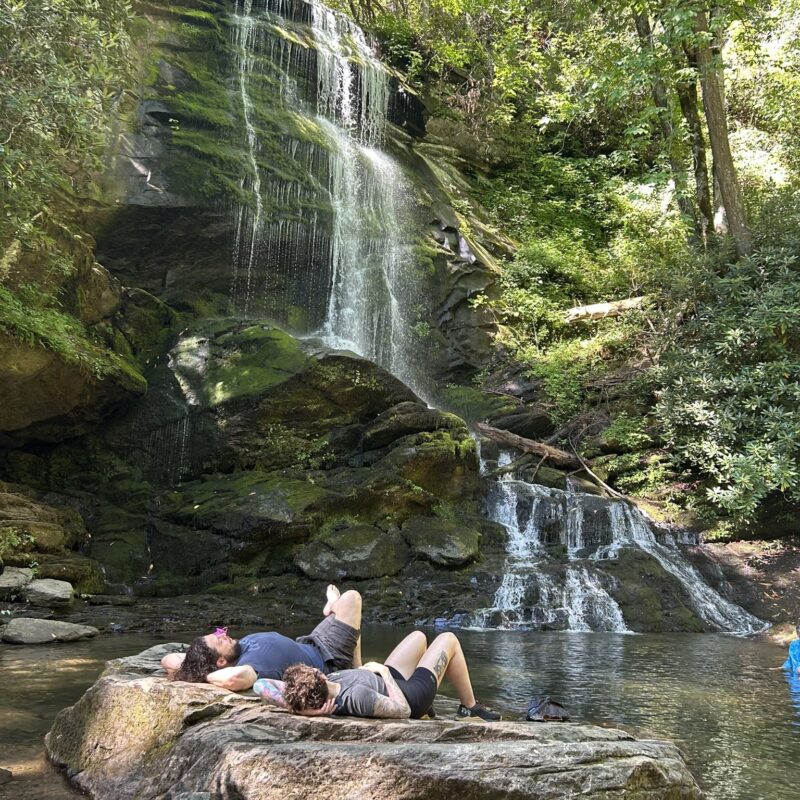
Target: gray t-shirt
[359,689]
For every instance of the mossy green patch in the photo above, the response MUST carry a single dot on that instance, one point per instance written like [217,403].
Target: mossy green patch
[274,495]
[249,361]
[65,335]
[472,404]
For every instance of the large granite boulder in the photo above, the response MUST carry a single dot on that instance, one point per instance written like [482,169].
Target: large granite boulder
[134,734]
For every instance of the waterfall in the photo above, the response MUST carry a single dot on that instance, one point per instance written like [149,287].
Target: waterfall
[528,595]
[630,526]
[553,575]
[326,252]
[249,221]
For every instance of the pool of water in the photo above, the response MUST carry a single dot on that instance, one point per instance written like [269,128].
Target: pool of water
[721,699]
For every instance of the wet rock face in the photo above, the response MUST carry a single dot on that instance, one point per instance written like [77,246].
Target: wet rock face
[45,398]
[183,155]
[134,734]
[255,455]
[33,531]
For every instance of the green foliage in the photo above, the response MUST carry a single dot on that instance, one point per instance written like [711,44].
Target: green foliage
[14,540]
[626,433]
[731,390]
[23,316]
[62,64]
[568,365]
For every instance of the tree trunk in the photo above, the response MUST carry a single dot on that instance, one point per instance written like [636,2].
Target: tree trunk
[716,117]
[614,308]
[659,94]
[553,454]
[687,96]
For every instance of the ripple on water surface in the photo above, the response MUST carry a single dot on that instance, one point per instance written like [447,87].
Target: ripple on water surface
[736,717]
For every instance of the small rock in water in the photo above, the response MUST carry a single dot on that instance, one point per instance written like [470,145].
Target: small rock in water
[26,630]
[5,776]
[111,600]
[48,592]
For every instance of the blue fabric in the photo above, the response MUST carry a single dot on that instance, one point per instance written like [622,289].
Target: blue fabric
[793,661]
[270,653]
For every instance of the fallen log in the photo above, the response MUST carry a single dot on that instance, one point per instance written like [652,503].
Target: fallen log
[602,310]
[553,454]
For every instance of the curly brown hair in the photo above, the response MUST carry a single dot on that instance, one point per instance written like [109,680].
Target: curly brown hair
[306,687]
[199,662]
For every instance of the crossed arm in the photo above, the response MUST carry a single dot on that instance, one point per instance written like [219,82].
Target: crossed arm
[235,679]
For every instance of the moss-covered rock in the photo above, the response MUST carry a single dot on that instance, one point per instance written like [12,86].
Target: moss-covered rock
[405,419]
[249,506]
[85,574]
[443,463]
[442,542]
[47,397]
[651,599]
[42,537]
[357,552]
[34,532]
[119,543]
[228,362]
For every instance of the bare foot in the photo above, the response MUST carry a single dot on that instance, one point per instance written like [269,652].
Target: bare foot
[333,594]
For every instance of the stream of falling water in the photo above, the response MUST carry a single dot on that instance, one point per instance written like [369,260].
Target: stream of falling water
[249,220]
[370,297]
[540,590]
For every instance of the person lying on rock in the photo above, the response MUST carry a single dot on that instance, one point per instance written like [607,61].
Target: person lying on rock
[236,664]
[404,686]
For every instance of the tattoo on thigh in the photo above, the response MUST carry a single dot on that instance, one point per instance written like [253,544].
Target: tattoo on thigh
[441,664]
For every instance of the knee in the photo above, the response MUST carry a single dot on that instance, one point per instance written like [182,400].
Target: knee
[352,598]
[447,639]
[419,639]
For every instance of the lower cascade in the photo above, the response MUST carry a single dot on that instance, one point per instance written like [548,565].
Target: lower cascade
[558,544]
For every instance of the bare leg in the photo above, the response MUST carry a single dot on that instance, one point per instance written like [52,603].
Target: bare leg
[347,609]
[446,658]
[405,657]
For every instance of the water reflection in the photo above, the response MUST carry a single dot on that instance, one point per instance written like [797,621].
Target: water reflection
[794,695]
[719,698]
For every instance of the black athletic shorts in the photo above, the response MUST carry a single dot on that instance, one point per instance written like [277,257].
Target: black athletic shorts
[336,642]
[419,690]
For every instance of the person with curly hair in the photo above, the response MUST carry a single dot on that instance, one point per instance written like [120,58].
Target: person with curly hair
[404,686]
[236,664]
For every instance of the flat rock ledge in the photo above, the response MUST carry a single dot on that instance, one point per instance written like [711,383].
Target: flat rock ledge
[28,630]
[136,735]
